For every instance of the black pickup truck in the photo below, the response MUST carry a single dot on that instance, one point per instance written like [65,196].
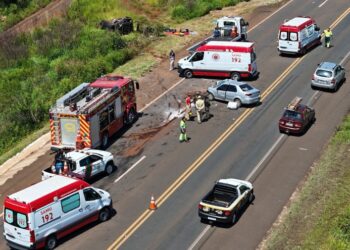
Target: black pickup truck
[224,201]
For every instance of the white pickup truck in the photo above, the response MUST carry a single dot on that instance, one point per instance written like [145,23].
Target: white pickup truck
[82,164]
[232,28]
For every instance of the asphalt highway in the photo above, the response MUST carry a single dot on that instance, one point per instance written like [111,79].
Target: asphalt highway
[243,144]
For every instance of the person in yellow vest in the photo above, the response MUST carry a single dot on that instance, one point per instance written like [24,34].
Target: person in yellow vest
[183,135]
[327,37]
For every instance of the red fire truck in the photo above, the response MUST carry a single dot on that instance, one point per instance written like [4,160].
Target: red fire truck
[90,114]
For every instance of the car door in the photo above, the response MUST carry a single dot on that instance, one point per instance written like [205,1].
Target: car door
[92,202]
[97,164]
[231,93]
[221,91]
[338,74]
[85,168]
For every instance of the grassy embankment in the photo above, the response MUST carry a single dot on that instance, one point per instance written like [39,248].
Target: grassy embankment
[319,216]
[12,12]
[39,67]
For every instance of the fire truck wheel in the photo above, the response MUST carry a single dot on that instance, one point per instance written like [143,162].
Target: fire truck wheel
[131,116]
[105,140]
[188,73]
[104,214]
[51,242]
[235,76]
[109,168]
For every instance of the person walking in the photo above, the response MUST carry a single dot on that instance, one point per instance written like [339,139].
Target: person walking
[183,135]
[172,60]
[327,37]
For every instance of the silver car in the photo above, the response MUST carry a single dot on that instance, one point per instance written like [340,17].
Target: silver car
[231,90]
[328,75]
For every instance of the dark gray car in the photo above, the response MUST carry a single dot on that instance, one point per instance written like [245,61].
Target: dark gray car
[231,90]
[328,75]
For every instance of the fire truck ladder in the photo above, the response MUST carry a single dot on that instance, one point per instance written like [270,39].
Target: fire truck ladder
[104,96]
[56,128]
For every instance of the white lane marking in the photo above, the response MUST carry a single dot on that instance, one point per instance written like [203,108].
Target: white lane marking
[156,99]
[346,57]
[265,157]
[323,3]
[199,237]
[135,164]
[270,15]
[303,149]
[312,98]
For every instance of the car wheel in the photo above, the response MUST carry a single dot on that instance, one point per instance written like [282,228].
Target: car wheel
[109,168]
[51,242]
[211,97]
[234,218]
[188,73]
[104,214]
[105,140]
[238,101]
[313,87]
[235,76]
[131,116]
[251,197]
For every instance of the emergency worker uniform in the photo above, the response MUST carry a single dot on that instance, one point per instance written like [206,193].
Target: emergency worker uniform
[200,105]
[183,135]
[327,37]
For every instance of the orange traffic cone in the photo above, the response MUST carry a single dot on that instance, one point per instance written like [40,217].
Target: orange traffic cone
[152,204]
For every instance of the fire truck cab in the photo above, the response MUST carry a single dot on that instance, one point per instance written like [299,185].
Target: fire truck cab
[91,113]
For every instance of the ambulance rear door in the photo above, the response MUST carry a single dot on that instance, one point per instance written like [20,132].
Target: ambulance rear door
[16,227]
[288,41]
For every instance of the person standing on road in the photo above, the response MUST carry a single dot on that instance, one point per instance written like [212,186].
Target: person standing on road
[200,106]
[183,135]
[327,37]
[172,60]
[188,108]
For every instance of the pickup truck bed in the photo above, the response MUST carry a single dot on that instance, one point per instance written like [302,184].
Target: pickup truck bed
[222,195]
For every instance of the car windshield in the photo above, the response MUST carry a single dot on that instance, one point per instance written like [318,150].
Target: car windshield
[292,115]
[324,73]
[245,87]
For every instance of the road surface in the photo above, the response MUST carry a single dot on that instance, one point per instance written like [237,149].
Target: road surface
[242,144]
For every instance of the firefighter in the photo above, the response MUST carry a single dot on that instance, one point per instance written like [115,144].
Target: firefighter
[188,112]
[200,108]
[327,37]
[183,135]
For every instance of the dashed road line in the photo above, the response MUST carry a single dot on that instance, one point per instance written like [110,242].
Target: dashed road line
[131,168]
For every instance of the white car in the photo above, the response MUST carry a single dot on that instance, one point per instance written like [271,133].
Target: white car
[82,164]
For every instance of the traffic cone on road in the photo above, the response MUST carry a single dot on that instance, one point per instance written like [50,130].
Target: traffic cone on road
[152,204]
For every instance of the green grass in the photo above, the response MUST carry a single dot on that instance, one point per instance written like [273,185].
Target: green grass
[319,218]
[20,145]
[12,12]
[39,67]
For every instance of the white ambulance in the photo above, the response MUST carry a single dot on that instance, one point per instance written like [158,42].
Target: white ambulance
[233,60]
[41,214]
[298,35]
